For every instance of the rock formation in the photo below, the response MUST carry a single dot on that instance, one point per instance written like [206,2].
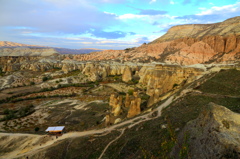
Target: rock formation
[127,101]
[134,108]
[116,103]
[133,104]
[162,78]
[214,134]
[127,74]
[107,120]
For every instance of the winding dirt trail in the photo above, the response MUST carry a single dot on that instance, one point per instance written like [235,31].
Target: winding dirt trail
[105,149]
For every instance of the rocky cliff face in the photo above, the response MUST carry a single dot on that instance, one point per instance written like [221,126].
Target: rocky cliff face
[225,28]
[188,50]
[214,134]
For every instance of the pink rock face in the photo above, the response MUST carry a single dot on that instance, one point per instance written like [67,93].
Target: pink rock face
[184,51]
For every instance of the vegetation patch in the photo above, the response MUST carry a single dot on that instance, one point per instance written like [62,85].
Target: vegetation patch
[226,82]
[13,114]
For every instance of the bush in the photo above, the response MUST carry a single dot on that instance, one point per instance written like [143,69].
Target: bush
[175,85]
[6,111]
[130,91]
[145,97]
[122,93]
[45,78]
[36,129]
[1,73]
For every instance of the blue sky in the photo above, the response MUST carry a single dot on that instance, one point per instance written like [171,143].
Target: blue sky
[104,24]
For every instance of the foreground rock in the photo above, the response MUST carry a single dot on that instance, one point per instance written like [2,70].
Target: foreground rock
[214,134]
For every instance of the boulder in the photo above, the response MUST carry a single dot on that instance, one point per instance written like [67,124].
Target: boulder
[214,134]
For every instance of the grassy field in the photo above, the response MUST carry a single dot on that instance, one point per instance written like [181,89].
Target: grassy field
[226,82]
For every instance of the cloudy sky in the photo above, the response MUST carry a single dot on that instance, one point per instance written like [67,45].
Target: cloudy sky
[104,24]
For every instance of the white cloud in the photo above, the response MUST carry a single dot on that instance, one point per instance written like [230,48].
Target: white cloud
[111,42]
[152,1]
[110,13]
[73,38]
[146,17]
[172,2]
[131,16]
[87,43]
[221,10]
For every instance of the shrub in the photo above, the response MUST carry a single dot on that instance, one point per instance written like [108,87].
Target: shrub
[6,111]
[145,97]
[130,91]
[122,93]
[44,78]
[175,85]
[36,129]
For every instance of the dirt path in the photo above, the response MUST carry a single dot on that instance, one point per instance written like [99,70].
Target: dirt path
[105,149]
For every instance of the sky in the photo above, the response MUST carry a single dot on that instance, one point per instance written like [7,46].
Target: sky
[104,24]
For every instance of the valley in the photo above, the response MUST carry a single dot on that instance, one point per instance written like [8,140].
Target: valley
[175,97]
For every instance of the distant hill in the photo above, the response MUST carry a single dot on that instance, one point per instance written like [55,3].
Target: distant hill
[8,48]
[8,44]
[25,51]
[77,51]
